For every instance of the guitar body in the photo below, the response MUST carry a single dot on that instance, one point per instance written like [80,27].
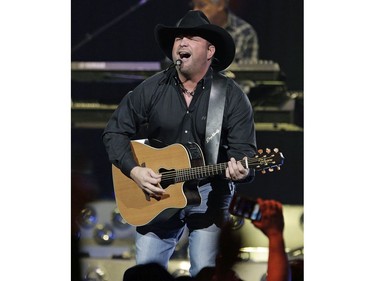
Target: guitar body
[135,206]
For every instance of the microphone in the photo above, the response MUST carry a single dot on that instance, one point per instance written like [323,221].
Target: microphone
[177,63]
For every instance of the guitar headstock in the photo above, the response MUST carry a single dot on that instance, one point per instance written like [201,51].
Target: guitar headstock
[267,160]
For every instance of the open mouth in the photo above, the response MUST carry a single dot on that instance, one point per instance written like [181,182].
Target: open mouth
[184,55]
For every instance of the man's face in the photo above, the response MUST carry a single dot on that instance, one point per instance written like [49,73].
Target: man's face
[195,53]
[208,8]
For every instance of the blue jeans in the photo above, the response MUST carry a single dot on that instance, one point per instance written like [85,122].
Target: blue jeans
[157,242]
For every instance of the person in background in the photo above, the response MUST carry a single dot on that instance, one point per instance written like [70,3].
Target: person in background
[272,225]
[244,34]
[147,272]
[174,104]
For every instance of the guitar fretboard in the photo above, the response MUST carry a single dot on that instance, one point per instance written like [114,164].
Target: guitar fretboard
[181,175]
[197,172]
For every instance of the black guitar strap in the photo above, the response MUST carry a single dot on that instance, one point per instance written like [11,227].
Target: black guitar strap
[215,117]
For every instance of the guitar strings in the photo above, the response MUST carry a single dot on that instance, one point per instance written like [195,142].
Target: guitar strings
[209,168]
[187,173]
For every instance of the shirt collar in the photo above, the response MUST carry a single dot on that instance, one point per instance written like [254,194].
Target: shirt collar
[203,82]
[229,20]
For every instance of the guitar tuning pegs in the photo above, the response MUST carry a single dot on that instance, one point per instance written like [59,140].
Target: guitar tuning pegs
[260,151]
[270,169]
[268,150]
[263,172]
[278,168]
[276,150]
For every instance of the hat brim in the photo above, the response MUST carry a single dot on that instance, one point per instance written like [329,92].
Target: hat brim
[221,39]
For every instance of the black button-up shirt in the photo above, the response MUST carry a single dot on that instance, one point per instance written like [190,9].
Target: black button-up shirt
[159,103]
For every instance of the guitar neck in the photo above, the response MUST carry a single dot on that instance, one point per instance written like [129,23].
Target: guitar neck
[182,175]
[262,161]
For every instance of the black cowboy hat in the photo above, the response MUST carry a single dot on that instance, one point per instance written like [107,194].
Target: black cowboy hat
[196,23]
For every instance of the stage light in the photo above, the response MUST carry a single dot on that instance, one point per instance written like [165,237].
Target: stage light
[180,272]
[118,221]
[104,234]
[96,274]
[182,269]
[236,222]
[87,217]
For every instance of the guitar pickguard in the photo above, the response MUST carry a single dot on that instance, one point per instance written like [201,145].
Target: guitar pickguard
[165,182]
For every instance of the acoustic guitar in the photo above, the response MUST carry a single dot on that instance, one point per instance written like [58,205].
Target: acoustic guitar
[180,165]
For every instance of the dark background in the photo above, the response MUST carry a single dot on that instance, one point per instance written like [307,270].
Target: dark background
[279,24]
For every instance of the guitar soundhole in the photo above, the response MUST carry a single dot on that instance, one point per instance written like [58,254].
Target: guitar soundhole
[167,177]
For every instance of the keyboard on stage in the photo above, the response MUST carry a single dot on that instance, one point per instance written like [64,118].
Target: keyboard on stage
[117,71]
[99,86]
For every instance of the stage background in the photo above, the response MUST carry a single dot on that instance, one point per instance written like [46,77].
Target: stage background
[279,25]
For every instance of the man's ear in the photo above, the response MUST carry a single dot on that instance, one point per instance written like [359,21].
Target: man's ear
[211,51]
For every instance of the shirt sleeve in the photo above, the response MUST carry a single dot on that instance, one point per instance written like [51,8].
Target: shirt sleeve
[240,127]
[121,128]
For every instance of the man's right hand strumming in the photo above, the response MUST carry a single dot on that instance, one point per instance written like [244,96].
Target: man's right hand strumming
[148,181]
